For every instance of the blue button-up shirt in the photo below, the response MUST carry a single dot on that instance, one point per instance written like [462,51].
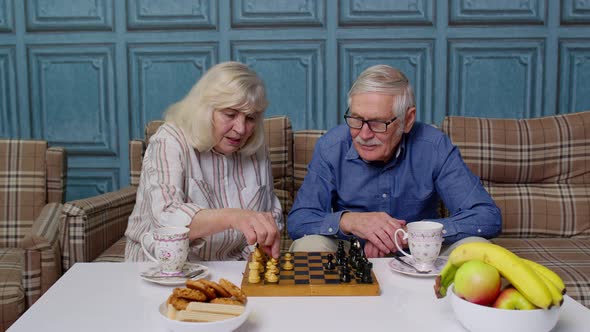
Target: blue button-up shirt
[427,167]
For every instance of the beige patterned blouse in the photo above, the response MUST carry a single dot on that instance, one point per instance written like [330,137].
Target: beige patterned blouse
[177,181]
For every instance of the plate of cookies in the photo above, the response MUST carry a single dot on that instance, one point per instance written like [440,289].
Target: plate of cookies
[204,305]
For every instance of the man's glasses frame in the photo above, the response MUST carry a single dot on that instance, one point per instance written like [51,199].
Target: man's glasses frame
[376,126]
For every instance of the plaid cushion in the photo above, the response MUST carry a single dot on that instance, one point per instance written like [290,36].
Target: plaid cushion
[303,145]
[151,128]
[537,170]
[136,150]
[23,191]
[90,226]
[12,293]
[570,258]
[115,253]
[56,174]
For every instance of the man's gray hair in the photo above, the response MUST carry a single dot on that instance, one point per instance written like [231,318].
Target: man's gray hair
[386,80]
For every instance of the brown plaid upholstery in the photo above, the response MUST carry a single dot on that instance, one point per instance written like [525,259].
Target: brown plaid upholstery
[136,150]
[31,176]
[538,173]
[92,225]
[537,170]
[303,144]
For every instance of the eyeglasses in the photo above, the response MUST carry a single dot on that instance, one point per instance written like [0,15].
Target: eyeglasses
[376,126]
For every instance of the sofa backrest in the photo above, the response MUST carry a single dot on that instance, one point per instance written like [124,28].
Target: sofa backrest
[31,175]
[536,170]
[303,145]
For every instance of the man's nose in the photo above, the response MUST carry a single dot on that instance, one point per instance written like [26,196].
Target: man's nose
[366,132]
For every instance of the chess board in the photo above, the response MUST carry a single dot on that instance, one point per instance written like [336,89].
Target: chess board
[309,278]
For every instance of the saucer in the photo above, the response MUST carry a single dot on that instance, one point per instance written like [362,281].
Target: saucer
[154,274]
[396,266]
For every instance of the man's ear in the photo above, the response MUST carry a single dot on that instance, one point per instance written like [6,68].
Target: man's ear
[410,118]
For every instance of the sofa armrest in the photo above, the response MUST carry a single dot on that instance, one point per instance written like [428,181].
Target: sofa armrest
[90,226]
[136,151]
[43,258]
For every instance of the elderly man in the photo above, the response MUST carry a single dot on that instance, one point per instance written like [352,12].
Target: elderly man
[382,170]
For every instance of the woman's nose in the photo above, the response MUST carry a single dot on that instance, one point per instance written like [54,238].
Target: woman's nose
[240,124]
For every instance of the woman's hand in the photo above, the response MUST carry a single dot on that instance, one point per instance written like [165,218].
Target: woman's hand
[259,227]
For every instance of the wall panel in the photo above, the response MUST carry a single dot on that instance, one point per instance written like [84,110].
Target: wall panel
[8,116]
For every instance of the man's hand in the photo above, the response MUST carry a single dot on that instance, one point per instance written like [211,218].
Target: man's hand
[376,227]
[373,252]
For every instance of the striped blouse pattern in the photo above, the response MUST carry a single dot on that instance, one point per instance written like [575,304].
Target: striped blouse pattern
[177,181]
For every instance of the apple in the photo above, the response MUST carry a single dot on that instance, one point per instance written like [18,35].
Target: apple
[511,298]
[477,282]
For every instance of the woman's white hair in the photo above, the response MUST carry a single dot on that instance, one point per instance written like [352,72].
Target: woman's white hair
[387,80]
[225,85]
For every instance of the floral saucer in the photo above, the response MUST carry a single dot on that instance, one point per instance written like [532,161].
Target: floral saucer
[154,274]
[396,266]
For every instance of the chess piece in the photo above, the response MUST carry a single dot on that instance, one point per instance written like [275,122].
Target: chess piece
[271,277]
[288,265]
[340,253]
[345,274]
[273,261]
[330,265]
[253,274]
[367,277]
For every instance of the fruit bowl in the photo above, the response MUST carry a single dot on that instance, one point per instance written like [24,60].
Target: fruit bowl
[479,318]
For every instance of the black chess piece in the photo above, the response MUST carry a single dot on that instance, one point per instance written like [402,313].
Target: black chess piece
[367,277]
[330,265]
[340,253]
[345,274]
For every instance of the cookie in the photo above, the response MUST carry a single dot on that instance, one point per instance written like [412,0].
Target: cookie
[177,302]
[234,290]
[204,288]
[226,300]
[190,294]
[220,291]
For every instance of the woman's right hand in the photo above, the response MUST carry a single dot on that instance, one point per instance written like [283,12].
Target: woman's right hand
[258,227]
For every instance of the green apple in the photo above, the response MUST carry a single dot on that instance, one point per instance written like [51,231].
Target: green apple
[477,282]
[511,298]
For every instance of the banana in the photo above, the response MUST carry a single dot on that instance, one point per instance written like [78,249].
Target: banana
[510,266]
[545,271]
[556,295]
[444,280]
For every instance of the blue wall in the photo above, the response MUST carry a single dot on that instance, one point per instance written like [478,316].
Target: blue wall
[89,74]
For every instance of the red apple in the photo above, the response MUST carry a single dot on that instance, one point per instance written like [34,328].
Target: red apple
[477,282]
[512,299]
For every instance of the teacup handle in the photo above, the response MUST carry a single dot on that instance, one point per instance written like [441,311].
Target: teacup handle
[145,246]
[397,244]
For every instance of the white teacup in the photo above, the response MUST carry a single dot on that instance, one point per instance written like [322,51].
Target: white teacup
[170,248]
[425,240]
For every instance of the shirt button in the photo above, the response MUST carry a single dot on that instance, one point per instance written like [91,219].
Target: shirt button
[479,230]
[384,195]
[444,231]
[330,229]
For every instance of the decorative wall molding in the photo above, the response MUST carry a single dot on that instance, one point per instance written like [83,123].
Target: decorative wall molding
[89,182]
[386,12]
[412,57]
[6,16]
[166,14]
[497,12]
[8,108]
[161,74]
[265,13]
[574,93]
[293,72]
[496,78]
[72,97]
[575,11]
[68,15]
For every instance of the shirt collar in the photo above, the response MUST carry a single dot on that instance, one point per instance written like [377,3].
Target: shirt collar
[353,153]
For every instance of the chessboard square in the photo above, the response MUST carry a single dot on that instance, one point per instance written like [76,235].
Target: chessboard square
[300,257]
[314,254]
[331,272]
[302,282]
[316,276]
[300,264]
[332,281]
[287,277]
[316,261]
[303,272]
[316,268]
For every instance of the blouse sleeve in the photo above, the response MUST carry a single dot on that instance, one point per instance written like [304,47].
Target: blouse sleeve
[165,169]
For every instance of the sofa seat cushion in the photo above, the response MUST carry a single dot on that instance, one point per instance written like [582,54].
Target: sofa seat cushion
[115,253]
[12,292]
[570,258]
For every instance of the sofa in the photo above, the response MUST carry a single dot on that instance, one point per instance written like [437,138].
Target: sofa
[537,171]
[32,186]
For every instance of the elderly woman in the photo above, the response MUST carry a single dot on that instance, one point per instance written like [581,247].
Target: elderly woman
[207,168]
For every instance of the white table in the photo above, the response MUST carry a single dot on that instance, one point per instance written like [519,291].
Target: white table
[112,297]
